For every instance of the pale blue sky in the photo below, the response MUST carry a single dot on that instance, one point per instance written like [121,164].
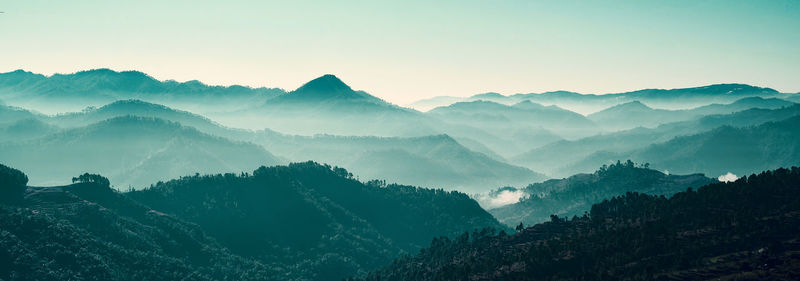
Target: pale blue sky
[406,50]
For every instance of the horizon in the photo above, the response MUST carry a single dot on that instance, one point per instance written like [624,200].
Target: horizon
[378,95]
[404,52]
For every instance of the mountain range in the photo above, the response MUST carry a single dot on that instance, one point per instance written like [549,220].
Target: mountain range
[618,117]
[132,151]
[73,92]
[560,158]
[482,143]
[682,98]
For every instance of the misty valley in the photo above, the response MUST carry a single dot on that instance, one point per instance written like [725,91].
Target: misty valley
[109,175]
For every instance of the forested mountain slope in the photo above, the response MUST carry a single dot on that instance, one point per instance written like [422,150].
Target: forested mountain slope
[304,221]
[576,194]
[744,230]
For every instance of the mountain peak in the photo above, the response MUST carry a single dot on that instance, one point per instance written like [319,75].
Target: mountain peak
[325,83]
[633,105]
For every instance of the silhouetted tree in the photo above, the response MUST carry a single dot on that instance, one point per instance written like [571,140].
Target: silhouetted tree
[12,182]
[92,178]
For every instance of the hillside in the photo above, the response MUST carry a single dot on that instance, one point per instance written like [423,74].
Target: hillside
[432,161]
[141,108]
[25,129]
[304,221]
[558,159]
[574,195]
[502,120]
[744,230]
[738,150]
[131,150]
[10,114]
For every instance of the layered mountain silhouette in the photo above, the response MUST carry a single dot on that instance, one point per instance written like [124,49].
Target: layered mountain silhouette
[433,161]
[619,117]
[25,129]
[72,92]
[683,98]
[558,159]
[522,125]
[328,105]
[133,151]
[738,150]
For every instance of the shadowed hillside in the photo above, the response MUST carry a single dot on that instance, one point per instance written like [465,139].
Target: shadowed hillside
[304,221]
[744,230]
[575,195]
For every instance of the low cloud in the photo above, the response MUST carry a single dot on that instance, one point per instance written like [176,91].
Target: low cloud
[499,198]
[729,177]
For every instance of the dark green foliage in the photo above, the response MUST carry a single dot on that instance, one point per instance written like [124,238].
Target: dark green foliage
[304,221]
[575,195]
[744,230]
[310,215]
[92,179]
[12,183]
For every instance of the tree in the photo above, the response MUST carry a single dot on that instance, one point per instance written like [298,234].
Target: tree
[520,227]
[12,182]
[92,178]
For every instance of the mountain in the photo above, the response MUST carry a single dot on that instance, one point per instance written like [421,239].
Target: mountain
[434,102]
[742,104]
[727,149]
[304,221]
[88,230]
[433,161]
[72,92]
[25,129]
[11,114]
[619,117]
[681,98]
[744,230]
[634,114]
[522,125]
[131,151]
[455,165]
[328,105]
[327,88]
[557,159]
[574,195]
[141,108]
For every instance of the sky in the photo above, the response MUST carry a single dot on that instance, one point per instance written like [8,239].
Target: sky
[407,50]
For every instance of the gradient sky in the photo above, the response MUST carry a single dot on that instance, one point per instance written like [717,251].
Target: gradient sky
[407,50]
